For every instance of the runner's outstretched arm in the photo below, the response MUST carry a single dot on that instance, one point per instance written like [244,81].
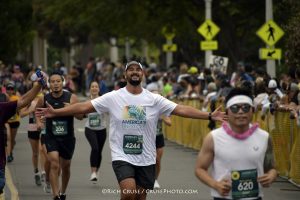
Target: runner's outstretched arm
[73,109]
[191,112]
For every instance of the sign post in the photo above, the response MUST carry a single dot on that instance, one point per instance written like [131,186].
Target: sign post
[208,30]
[270,33]
[169,47]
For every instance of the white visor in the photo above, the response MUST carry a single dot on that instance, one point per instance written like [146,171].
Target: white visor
[133,63]
[239,99]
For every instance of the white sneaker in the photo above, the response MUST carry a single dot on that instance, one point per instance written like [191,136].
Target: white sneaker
[94,177]
[43,177]
[47,187]
[156,185]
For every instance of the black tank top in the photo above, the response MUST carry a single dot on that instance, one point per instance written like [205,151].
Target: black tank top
[59,127]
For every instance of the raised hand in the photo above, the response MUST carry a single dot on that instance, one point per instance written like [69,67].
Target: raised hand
[218,115]
[48,112]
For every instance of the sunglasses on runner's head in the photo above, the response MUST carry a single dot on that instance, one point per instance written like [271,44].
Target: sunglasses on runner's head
[236,107]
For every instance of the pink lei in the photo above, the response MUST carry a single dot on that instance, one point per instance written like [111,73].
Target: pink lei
[240,136]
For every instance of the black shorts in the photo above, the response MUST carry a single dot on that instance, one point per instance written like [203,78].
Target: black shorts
[160,141]
[34,135]
[144,175]
[14,124]
[64,146]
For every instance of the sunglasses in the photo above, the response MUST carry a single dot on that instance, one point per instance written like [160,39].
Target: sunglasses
[235,108]
[9,88]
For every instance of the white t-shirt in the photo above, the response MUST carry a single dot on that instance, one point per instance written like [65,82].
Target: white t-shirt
[133,122]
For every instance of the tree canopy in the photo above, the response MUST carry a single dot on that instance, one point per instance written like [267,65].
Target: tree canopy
[16,32]
[98,20]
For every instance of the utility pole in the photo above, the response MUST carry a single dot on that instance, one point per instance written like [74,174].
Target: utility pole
[271,65]
[40,47]
[208,53]
[45,55]
[114,56]
[169,54]
[127,48]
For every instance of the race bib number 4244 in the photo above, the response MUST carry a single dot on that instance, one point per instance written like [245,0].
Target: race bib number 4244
[133,144]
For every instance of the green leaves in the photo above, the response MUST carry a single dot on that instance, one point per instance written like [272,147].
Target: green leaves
[16,27]
[98,20]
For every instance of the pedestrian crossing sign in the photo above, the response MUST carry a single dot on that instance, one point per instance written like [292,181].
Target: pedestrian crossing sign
[169,47]
[270,33]
[269,54]
[208,29]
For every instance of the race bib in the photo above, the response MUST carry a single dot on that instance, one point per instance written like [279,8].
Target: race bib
[59,128]
[133,144]
[94,120]
[244,184]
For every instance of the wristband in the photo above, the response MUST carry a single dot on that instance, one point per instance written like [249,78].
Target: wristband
[209,116]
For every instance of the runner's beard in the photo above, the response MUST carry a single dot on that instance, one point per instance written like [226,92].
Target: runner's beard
[135,82]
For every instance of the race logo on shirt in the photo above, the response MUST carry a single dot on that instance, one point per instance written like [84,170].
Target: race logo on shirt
[134,117]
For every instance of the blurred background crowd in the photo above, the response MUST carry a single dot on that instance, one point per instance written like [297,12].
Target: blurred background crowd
[182,81]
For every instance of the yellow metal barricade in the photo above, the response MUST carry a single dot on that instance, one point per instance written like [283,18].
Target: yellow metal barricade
[186,126]
[281,139]
[295,155]
[201,131]
[263,123]
[195,138]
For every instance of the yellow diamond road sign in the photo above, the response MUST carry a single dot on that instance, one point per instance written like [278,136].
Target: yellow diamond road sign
[209,45]
[269,54]
[169,47]
[208,29]
[270,33]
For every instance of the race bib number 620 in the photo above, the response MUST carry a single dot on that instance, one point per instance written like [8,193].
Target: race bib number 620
[244,184]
